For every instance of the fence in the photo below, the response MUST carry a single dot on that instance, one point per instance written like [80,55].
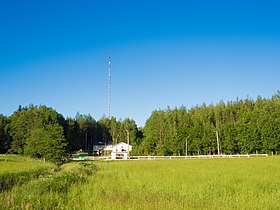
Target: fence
[194,157]
[170,157]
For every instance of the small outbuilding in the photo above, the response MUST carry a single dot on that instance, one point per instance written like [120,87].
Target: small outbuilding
[120,150]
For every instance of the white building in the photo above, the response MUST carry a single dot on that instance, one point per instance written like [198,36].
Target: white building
[119,150]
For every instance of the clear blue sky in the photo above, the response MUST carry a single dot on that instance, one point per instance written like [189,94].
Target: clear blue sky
[164,53]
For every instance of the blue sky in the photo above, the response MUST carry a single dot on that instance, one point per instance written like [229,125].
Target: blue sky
[164,53]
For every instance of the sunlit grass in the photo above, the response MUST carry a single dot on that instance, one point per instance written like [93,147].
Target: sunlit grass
[246,183]
[237,183]
[17,170]
[48,191]
[15,164]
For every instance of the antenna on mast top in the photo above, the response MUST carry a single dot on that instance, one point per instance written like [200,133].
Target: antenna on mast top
[109,85]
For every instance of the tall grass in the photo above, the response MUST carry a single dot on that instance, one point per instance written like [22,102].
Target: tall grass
[245,183]
[47,192]
[16,170]
[251,183]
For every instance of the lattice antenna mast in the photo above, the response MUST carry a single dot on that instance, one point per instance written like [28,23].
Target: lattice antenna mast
[109,86]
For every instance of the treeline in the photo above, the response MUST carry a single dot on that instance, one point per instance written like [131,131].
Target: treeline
[243,126]
[42,132]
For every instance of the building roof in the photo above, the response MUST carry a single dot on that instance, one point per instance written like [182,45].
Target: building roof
[120,144]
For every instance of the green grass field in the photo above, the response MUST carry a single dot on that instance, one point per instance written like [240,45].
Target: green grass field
[245,183]
[17,170]
[237,183]
[16,164]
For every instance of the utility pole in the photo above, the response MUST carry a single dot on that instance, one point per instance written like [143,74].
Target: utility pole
[127,144]
[218,144]
[187,145]
[113,138]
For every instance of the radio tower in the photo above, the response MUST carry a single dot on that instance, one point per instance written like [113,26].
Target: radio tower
[109,86]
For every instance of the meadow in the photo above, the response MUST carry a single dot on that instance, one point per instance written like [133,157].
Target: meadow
[233,183]
[245,183]
[17,170]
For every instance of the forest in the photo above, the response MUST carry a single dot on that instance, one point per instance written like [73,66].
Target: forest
[243,126]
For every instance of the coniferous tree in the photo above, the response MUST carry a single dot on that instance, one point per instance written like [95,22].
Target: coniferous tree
[5,140]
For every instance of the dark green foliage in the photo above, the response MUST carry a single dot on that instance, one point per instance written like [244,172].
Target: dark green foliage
[244,126]
[82,132]
[5,140]
[47,142]
[38,132]
[43,133]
